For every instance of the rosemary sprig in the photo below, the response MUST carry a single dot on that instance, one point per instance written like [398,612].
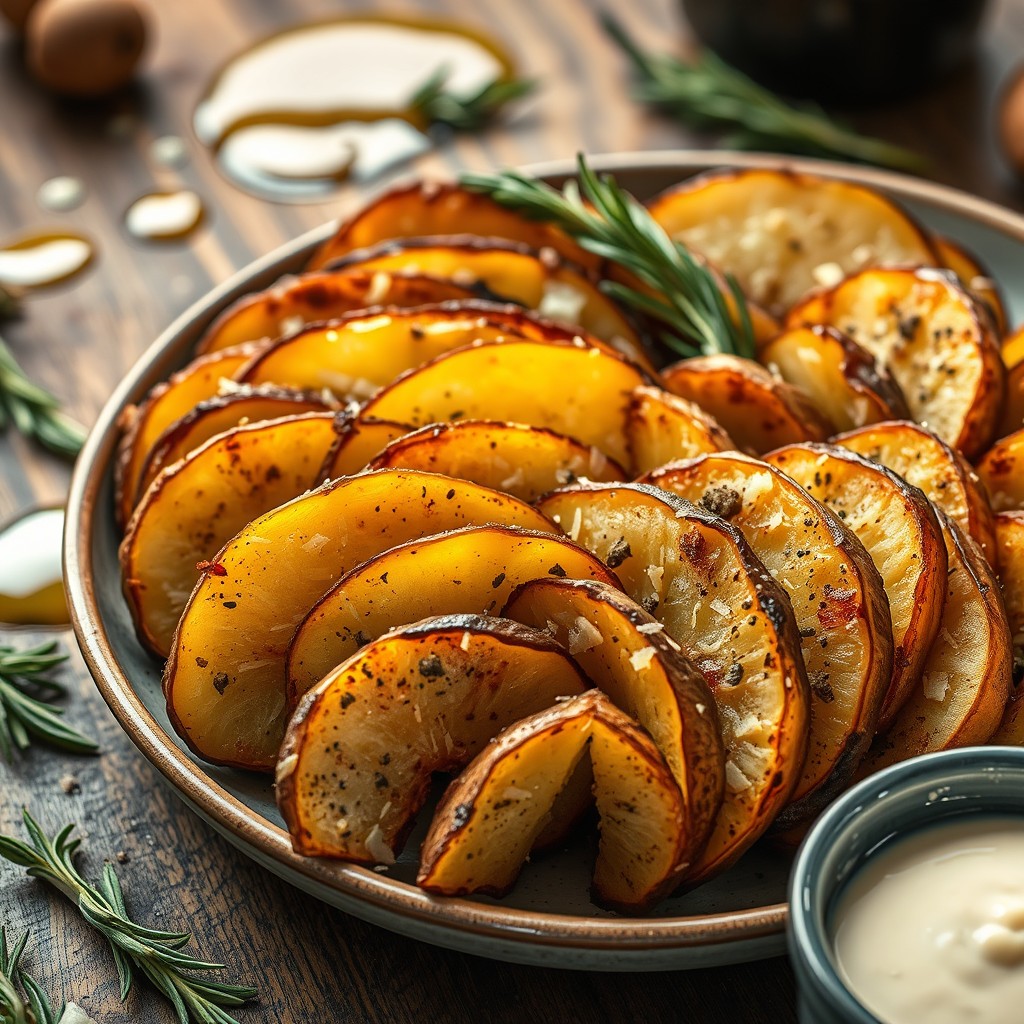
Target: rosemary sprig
[684,294]
[436,106]
[709,93]
[14,1009]
[25,712]
[157,954]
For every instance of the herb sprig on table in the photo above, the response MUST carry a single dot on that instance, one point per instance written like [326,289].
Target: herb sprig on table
[36,1007]
[684,294]
[708,93]
[436,106]
[159,955]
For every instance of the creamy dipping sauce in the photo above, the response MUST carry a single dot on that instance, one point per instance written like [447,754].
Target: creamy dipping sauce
[165,216]
[36,261]
[31,575]
[931,929]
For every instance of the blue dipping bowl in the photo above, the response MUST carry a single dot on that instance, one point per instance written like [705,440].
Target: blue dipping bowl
[919,793]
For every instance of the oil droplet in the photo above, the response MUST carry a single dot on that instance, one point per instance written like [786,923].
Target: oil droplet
[31,577]
[164,216]
[61,193]
[35,261]
[301,111]
[169,151]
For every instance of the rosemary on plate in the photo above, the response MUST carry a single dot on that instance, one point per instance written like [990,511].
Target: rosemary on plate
[35,1008]
[708,93]
[25,711]
[158,955]
[436,106]
[681,291]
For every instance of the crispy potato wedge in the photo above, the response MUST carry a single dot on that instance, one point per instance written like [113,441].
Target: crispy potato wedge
[928,463]
[843,381]
[698,576]
[1013,408]
[782,234]
[511,380]
[519,460]
[837,596]
[473,570]
[143,424]
[197,504]
[932,336]
[296,301]
[759,411]
[364,438]
[661,427]
[477,837]
[225,680]
[897,525]
[626,653]
[1013,348]
[426,208]
[357,759]
[974,277]
[963,690]
[1002,472]
[1010,539]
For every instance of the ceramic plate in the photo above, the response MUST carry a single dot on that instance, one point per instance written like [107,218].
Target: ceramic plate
[548,919]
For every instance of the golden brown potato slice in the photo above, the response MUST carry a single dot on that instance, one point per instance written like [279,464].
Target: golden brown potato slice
[925,462]
[194,506]
[974,277]
[759,411]
[661,427]
[1013,348]
[843,381]
[933,338]
[1002,472]
[698,576]
[357,759]
[964,687]
[897,525]
[294,302]
[471,570]
[781,233]
[361,441]
[519,460]
[626,654]
[225,680]
[143,424]
[478,836]
[1012,419]
[570,388]
[434,208]
[838,598]
[1010,538]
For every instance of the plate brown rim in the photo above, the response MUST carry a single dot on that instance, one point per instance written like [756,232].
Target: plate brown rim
[231,815]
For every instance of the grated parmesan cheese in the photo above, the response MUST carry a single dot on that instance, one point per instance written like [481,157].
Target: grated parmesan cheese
[464,642]
[735,780]
[650,627]
[315,543]
[577,523]
[720,606]
[377,848]
[936,684]
[641,659]
[285,767]
[584,635]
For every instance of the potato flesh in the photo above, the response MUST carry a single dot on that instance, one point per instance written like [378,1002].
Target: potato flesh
[519,460]
[225,680]
[1002,473]
[1010,539]
[974,277]
[472,571]
[195,506]
[361,750]
[364,438]
[575,390]
[1013,409]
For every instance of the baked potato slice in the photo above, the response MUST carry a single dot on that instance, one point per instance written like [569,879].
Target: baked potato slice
[225,679]
[568,387]
[782,233]
[1012,419]
[1002,472]
[362,439]
[897,525]
[974,277]
[964,687]
[932,336]
[1013,348]
[1010,539]
[197,504]
[842,380]
[837,596]
[142,425]
[625,652]
[662,427]
[928,463]
[758,410]
[698,576]
[519,460]
[295,301]
[357,759]
[473,570]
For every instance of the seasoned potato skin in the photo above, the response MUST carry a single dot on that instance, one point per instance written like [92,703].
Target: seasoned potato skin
[1010,539]
[1002,472]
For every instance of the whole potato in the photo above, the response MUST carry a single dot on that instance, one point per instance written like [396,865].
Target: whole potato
[85,47]
[16,11]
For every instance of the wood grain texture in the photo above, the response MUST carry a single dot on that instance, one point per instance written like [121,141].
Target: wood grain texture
[312,963]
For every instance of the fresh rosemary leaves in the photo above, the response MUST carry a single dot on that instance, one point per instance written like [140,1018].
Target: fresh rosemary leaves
[157,954]
[35,1008]
[25,712]
[708,93]
[435,106]
[680,291]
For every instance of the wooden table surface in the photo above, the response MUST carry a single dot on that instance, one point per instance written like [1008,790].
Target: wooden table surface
[311,963]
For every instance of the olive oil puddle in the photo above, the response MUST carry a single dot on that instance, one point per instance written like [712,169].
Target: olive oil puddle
[36,261]
[299,113]
[165,216]
[31,575]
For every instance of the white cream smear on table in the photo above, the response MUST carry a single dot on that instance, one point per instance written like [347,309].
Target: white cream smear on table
[932,929]
[164,216]
[43,260]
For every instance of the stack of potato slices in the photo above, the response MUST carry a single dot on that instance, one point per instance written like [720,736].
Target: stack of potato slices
[437,505]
